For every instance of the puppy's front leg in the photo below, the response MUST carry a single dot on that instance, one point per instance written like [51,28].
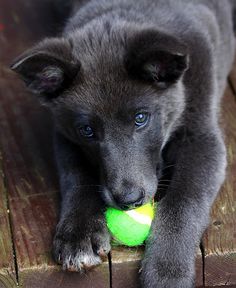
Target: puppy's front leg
[81,238]
[183,213]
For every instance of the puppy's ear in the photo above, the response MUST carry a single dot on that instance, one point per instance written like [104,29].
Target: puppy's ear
[156,57]
[48,68]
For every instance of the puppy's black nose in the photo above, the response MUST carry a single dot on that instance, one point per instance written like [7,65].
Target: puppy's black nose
[130,198]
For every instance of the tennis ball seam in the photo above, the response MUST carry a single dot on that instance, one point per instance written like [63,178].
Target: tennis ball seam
[140,218]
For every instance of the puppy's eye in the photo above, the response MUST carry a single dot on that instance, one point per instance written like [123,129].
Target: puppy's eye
[86,131]
[141,119]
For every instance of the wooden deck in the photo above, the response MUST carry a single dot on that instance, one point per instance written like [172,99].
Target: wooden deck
[29,189]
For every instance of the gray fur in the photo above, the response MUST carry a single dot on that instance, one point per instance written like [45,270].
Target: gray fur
[103,85]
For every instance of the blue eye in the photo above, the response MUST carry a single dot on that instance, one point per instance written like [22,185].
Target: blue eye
[141,119]
[86,131]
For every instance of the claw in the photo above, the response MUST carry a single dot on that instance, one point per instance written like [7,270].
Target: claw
[102,253]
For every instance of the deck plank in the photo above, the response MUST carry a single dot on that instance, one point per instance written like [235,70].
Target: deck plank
[126,267]
[220,237]
[7,268]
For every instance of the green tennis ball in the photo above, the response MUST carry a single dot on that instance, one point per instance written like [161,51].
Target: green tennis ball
[131,227]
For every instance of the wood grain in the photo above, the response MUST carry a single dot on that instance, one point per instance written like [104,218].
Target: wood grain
[52,277]
[220,237]
[7,268]
[126,267]
[23,22]
[220,270]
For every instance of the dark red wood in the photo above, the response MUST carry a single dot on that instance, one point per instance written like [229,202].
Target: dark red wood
[50,278]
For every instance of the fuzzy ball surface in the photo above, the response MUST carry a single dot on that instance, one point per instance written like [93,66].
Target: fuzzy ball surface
[131,227]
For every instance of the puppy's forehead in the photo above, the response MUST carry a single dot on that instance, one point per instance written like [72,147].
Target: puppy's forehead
[109,95]
[103,84]
[95,41]
[106,89]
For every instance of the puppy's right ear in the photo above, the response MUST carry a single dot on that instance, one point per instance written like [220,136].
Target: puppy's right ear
[48,68]
[156,57]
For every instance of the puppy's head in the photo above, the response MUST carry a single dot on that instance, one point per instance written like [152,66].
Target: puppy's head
[118,93]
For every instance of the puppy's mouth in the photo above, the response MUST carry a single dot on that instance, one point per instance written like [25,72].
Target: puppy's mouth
[108,198]
[110,201]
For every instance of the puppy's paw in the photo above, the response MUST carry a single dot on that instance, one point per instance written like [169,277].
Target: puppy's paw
[81,249]
[153,276]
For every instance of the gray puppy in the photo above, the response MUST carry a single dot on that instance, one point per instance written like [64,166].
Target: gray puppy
[135,87]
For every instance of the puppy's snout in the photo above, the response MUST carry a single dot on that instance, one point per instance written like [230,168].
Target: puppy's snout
[130,197]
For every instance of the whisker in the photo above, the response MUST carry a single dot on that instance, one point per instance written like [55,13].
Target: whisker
[168,167]
[161,189]
[163,185]
[163,175]
[89,185]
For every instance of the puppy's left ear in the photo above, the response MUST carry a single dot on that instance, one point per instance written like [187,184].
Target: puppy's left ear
[156,57]
[48,68]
